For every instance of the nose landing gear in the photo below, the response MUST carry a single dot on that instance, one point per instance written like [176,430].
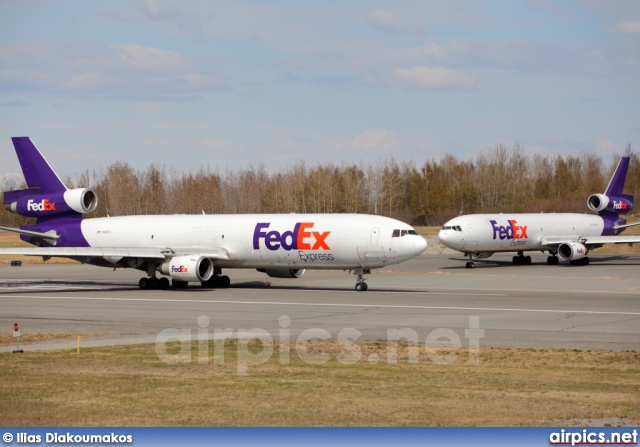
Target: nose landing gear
[361,286]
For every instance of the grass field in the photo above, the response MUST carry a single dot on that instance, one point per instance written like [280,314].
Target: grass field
[131,386]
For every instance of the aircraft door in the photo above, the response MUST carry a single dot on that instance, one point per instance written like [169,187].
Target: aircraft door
[374,236]
[470,240]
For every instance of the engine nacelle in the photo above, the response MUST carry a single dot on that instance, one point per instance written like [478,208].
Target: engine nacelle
[616,205]
[188,268]
[283,273]
[70,202]
[570,251]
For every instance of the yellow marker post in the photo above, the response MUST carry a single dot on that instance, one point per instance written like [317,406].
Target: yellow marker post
[78,346]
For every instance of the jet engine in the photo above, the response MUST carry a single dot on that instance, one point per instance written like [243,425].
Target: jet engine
[188,268]
[616,205]
[283,273]
[71,202]
[572,251]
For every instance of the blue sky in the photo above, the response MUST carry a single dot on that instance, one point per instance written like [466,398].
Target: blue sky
[226,84]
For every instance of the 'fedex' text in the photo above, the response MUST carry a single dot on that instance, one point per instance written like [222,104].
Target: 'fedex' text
[619,205]
[511,231]
[300,238]
[45,205]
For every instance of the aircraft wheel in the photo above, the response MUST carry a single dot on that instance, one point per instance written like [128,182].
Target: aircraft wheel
[550,260]
[585,261]
[153,283]
[224,281]
[361,286]
[515,260]
[163,283]
[527,260]
[470,265]
[144,283]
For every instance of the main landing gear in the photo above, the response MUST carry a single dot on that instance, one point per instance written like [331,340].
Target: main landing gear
[154,283]
[553,259]
[361,286]
[521,259]
[217,280]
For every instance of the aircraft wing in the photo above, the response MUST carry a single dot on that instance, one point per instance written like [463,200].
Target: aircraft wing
[631,239]
[96,252]
[552,241]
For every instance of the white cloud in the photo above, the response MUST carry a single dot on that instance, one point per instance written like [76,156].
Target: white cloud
[376,141]
[410,56]
[387,21]
[127,71]
[632,27]
[606,146]
[434,78]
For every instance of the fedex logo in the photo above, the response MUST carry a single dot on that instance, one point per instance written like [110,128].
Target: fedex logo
[45,205]
[512,231]
[300,238]
[619,205]
[181,269]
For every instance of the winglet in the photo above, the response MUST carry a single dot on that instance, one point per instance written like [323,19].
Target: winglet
[37,171]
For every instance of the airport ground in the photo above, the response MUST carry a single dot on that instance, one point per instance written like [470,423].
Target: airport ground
[557,345]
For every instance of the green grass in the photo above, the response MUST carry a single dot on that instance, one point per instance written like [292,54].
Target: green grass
[131,386]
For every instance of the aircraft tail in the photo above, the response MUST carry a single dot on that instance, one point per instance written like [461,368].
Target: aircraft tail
[45,197]
[37,171]
[614,202]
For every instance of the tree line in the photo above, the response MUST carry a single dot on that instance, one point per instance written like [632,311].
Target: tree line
[500,179]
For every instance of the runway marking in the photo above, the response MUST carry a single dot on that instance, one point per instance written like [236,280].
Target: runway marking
[280,303]
[502,275]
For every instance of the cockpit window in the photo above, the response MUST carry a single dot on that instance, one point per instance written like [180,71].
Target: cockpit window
[400,233]
[457,228]
[454,227]
[446,227]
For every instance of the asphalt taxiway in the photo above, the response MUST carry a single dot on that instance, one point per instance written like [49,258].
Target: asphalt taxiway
[535,306]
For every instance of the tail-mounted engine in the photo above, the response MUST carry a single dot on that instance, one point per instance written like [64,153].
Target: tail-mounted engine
[33,203]
[611,204]
[572,251]
[283,273]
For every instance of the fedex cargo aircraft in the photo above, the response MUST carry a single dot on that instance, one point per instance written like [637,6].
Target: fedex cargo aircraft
[569,236]
[195,248]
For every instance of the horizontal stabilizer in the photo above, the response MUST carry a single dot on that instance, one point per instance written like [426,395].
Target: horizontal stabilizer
[616,227]
[48,235]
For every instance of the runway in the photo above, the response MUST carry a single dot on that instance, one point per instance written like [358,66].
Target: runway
[536,306]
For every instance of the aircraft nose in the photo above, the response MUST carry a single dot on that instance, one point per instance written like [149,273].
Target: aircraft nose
[420,245]
[444,238]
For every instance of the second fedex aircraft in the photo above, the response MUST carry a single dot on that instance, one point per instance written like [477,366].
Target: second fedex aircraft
[569,236]
[195,248]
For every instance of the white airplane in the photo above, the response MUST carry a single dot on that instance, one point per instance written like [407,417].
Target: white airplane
[195,248]
[568,235]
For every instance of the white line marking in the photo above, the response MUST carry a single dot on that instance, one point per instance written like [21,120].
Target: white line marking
[280,303]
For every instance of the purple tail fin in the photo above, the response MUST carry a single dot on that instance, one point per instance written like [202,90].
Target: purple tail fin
[37,172]
[616,184]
